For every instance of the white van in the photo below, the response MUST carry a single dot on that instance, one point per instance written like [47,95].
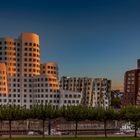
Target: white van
[31,133]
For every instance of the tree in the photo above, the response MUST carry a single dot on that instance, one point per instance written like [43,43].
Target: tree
[1,115]
[104,115]
[44,112]
[131,114]
[52,113]
[116,102]
[12,113]
[39,112]
[91,113]
[74,113]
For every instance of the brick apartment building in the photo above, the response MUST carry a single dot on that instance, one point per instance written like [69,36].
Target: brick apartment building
[132,86]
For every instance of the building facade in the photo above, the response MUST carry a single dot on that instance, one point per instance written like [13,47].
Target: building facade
[95,92]
[24,80]
[132,86]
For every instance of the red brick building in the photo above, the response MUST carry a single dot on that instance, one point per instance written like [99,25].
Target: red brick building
[132,86]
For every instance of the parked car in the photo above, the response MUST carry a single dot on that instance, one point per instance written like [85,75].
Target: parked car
[31,133]
[53,132]
[120,133]
[127,128]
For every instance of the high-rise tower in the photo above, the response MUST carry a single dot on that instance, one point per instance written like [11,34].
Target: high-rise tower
[20,64]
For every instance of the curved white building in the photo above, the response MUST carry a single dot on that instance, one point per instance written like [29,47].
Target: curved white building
[23,80]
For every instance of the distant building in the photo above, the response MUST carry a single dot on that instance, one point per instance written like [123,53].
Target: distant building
[138,64]
[116,98]
[132,86]
[95,92]
[24,81]
[117,93]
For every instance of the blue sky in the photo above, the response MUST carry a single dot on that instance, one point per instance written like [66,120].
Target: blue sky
[94,38]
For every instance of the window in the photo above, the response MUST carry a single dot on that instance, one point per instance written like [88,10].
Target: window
[77,101]
[70,96]
[30,54]
[79,96]
[69,101]
[14,90]
[9,95]
[14,95]
[74,96]
[26,44]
